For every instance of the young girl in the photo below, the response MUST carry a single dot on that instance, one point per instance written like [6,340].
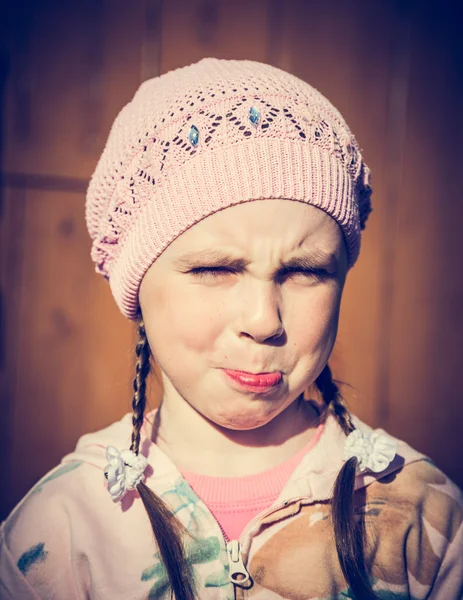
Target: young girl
[225,213]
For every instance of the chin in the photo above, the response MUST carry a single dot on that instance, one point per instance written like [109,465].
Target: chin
[243,422]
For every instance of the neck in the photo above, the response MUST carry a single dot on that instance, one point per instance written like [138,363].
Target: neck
[196,444]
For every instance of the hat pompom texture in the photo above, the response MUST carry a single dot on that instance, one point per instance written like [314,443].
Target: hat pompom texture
[157,176]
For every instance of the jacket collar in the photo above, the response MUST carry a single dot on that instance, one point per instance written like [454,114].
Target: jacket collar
[315,476]
[312,480]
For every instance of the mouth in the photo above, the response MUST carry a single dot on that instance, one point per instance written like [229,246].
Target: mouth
[256,382]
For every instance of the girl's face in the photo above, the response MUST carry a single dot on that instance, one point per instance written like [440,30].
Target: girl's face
[256,288]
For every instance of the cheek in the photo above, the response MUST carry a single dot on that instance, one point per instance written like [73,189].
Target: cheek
[312,319]
[179,316]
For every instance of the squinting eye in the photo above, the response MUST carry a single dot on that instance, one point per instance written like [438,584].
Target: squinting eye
[314,274]
[210,271]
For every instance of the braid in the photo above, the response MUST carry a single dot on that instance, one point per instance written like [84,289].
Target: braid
[349,532]
[168,531]
[142,370]
[334,400]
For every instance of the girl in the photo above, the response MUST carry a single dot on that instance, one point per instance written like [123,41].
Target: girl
[225,213]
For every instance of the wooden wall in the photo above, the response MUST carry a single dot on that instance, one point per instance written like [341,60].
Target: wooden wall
[393,68]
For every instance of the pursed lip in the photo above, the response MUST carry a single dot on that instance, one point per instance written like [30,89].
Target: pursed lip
[255,380]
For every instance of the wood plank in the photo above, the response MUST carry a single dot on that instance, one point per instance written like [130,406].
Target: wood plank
[11,235]
[70,353]
[223,29]
[426,352]
[73,67]
[74,351]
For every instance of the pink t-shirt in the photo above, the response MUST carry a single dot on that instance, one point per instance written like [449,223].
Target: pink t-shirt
[235,501]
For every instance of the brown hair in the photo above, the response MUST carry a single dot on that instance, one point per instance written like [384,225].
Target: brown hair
[168,531]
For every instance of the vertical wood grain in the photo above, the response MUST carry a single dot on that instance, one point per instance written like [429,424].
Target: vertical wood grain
[11,234]
[73,67]
[394,71]
[426,352]
[70,352]
[73,351]
[219,28]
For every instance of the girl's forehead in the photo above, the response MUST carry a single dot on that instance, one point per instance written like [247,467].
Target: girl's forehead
[282,223]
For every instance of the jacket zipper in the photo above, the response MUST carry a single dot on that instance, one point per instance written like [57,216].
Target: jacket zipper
[238,573]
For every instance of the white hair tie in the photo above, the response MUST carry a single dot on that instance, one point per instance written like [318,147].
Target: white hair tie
[374,452]
[124,471]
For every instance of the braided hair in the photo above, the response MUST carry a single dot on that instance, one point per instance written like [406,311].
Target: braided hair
[168,531]
[349,533]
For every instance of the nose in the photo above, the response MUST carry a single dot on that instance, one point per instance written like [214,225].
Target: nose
[260,315]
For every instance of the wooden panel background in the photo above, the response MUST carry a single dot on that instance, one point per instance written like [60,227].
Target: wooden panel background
[393,68]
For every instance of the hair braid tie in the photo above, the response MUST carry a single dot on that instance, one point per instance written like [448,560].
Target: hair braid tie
[168,531]
[123,472]
[374,452]
[348,531]
[125,469]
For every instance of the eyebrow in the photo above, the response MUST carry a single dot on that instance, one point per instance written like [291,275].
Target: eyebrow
[308,259]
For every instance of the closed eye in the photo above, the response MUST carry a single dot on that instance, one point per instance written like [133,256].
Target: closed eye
[309,273]
[317,274]
[211,271]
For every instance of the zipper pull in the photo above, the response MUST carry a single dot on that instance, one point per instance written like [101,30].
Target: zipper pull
[237,574]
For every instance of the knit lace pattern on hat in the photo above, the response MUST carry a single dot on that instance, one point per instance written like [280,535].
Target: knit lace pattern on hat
[208,136]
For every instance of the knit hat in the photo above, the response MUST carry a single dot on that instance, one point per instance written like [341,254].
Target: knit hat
[205,137]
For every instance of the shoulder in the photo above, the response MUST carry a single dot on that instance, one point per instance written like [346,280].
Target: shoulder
[417,513]
[45,515]
[414,524]
[411,479]
[36,538]
[71,486]
[53,521]
[422,489]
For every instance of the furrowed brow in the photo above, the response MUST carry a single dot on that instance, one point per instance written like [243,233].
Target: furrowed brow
[311,260]
[209,257]
[217,258]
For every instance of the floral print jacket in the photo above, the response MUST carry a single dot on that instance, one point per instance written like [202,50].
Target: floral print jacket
[67,540]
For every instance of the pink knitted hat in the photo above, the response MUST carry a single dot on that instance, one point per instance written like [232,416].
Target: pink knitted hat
[207,136]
